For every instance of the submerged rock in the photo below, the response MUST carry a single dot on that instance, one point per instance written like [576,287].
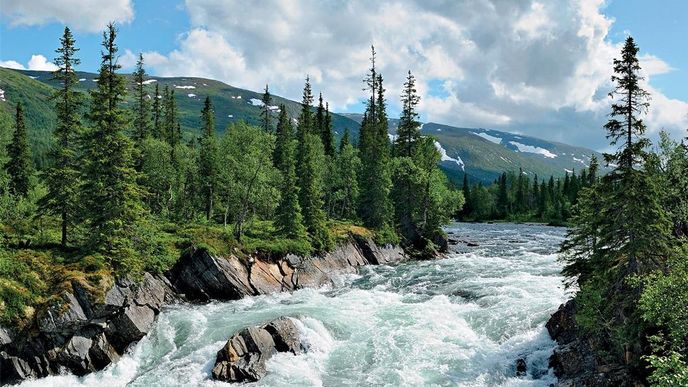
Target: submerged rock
[243,357]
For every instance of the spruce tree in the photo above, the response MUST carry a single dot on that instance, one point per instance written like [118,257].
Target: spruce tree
[408,131]
[208,158]
[327,133]
[19,166]
[142,124]
[375,207]
[170,121]
[63,177]
[157,114]
[113,203]
[265,118]
[311,166]
[345,139]
[288,217]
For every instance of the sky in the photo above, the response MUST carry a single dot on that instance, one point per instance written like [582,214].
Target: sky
[534,67]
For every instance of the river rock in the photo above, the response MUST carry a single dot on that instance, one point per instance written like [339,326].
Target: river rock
[521,367]
[243,357]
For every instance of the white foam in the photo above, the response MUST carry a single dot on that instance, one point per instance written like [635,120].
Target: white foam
[532,149]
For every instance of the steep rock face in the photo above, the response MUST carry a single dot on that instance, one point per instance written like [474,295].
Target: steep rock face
[244,356]
[201,276]
[81,334]
[574,360]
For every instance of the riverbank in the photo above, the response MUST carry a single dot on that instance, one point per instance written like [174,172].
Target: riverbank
[86,331]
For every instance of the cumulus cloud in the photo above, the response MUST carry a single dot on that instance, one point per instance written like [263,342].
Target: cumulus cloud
[37,62]
[86,15]
[533,66]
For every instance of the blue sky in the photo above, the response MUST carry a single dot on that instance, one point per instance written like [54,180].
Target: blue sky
[531,67]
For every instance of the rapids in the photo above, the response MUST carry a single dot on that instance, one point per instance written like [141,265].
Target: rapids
[462,321]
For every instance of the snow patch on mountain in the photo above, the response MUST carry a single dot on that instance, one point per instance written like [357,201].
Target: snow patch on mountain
[2,95]
[579,160]
[184,87]
[532,149]
[257,102]
[149,81]
[445,156]
[191,95]
[496,140]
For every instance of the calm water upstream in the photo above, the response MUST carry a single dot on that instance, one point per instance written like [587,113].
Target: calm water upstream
[461,321]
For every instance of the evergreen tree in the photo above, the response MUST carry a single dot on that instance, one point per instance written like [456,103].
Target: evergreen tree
[408,131]
[311,166]
[375,207]
[265,118]
[63,178]
[19,166]
[288,217]
[208,166]
[327,133]
[157,114]
[346,166]
[466,189]
[345,140]
[113,204]
[142,124]
[170,121]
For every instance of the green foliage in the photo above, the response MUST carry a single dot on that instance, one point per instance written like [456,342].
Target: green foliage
[310,158]
[63,176]
[342,182]
[142,121]
[288,217]
[112,195]
[208,159]
[248,178]
[19,166]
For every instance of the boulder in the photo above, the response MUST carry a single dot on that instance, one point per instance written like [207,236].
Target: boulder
[62,316]
[521,367]
[562,326]
[243,357]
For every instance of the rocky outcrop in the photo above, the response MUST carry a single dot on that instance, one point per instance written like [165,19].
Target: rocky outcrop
[201,276]
[575,361]
[244,356]
[81,334]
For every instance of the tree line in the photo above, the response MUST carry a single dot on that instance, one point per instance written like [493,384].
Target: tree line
[517,197]
[628,248]
[118,172]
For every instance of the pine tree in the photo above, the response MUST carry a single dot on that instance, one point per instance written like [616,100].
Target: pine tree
[288,217]
[208,163]
[311,164]
[113,204]
[408,131]
[19,166]
[265,118]
[157,114]
[142,124]
[466,189]
[63,177]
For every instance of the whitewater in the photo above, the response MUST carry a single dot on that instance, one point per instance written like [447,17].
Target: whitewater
[460,321]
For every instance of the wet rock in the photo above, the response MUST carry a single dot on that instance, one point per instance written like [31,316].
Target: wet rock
[243,357]
[14,369]
[6,335]
[562,326]
[521,367]
[471,244]
[201,276]
[452,241]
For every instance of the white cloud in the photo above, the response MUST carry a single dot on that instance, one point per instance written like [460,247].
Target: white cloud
[533,66]
[87,15]
[37,62]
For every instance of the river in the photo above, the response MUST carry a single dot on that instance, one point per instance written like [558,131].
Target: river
[459,321]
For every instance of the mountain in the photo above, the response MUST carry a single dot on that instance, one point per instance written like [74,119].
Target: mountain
[484,153]
[231,104]
[481,153]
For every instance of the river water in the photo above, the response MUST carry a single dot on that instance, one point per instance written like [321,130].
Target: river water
[460,321]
